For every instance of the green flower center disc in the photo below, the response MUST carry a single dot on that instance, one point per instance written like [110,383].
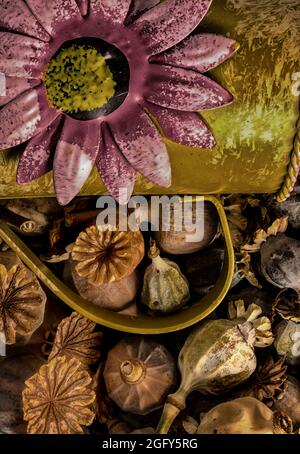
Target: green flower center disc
[78,79]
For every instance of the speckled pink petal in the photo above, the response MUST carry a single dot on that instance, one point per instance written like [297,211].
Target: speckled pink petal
[183,89]
[139,6]
[142,145]
[199,52]
[24,117]
[170,22]
[75,155]
[52,14]
[21,56]
[186,128]
[15,86]
[116,172]
[16,16]
[37,157]
[83,5]
[112,10]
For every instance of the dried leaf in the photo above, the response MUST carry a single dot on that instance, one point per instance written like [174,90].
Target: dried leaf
[260,236]
[244,267]
[75,338]
[22,302]
[58,399]
[105,255]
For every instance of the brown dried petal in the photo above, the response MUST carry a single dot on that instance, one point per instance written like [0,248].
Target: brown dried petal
[58,399]
[106,256]
[22,302]
[75,338]
[260,236]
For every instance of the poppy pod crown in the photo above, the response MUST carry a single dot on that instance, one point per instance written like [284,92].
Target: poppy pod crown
[49,48]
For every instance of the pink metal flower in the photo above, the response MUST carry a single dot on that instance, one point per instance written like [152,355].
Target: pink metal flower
[165,80]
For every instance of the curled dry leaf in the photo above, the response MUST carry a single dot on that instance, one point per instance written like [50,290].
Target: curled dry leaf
[269,381]
[75,338]
[58,399]
[104,256]
[287,306]
[244,268]
[260,236]
[22,302]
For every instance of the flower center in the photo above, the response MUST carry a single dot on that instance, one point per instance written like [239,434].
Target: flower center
[87,78]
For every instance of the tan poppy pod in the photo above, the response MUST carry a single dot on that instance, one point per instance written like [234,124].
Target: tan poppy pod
[178,243]
[114,296]
[22,300]
[165,288]
[290,401]
[104,256]
[138,375]
[245,415]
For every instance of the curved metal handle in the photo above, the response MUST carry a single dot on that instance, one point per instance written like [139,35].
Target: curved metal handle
[141,324]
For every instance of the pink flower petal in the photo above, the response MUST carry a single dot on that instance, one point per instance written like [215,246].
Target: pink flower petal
[116,172]
[36,159]
[139,6]
[186,128]
[141,144]
[112,10]
[75,155]
[21,56]
[83,5]
[24,117]
[15,86]
[170,22]
[183,89]
[199,52]
[16,16]
[52,14]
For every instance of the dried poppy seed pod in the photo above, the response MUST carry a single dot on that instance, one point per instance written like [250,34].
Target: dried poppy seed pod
[115,296]
[178,243]
[287,341]
[280,262]
[165,289]
[245,415]
[138,375]
[218,355]
[105,255]
[22,300]
[290,401]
